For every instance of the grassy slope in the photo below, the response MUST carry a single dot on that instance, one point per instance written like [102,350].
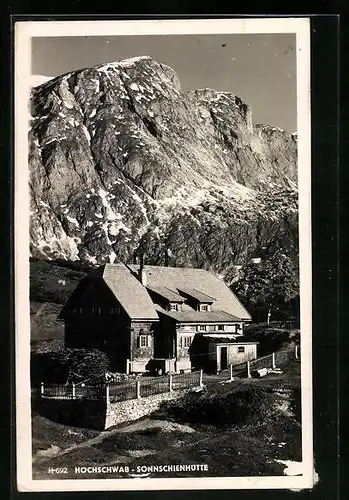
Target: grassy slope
[50,286]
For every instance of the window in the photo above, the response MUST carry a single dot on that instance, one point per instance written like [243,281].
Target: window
[144,340]
[202,328]
[173,307]
[185,341]
[115,310]
[204,307]
[241,348]
[220,327]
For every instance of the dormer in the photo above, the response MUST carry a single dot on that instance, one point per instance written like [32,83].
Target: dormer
[204,307]
[174,306]
[197,300]
[166,298]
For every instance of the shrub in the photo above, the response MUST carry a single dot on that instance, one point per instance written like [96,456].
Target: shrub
[270,339]
[238,406]
[69,365]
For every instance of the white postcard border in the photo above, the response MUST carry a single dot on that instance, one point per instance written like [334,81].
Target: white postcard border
[24,31]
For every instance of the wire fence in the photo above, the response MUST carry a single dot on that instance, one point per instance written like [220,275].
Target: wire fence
[283,357]
[124,391]
[156,385]
[150,386]
[72,391]
[189,380]
[263,362]
[121,392]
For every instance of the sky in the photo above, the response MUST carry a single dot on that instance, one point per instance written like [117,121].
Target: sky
[259,68]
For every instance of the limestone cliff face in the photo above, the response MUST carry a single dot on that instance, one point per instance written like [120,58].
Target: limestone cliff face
[121,156]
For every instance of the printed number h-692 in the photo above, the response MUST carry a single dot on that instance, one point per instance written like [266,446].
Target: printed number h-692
[58,470]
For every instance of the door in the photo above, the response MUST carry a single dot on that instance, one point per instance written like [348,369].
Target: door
[224,358]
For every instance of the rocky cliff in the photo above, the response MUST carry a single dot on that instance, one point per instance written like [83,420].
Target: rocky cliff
[121,157]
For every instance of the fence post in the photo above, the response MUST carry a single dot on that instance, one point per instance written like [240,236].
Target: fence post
[73,390]
[41,389]
[138,389]
[170,383]
[107,396]
[201,378]
[248,369]
[127,366]
[273,361]
[296,352]
[231,378]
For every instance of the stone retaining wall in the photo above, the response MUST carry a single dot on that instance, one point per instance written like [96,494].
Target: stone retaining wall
[125,411]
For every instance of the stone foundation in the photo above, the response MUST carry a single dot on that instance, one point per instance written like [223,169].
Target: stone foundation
[101,415]
[134,409]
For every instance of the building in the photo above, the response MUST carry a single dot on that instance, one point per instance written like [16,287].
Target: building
[148,317]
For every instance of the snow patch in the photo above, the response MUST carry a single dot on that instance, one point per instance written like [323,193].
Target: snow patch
[49,141]
[115,228]
[91,258]
[97,84]
[43,204]
[87,134]
[72,220]
[112,257]
[134,86]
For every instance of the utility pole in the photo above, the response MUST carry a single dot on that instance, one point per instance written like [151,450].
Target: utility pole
[268,316]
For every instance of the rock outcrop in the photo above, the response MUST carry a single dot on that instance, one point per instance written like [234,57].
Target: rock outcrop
[121,157]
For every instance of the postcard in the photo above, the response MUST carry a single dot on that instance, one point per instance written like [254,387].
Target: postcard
[163,255]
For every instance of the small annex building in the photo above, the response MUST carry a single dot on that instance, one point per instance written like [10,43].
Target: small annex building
[158,318]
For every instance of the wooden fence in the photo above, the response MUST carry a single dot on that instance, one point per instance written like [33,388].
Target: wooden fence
[124,391]
[150,386]
[273,360]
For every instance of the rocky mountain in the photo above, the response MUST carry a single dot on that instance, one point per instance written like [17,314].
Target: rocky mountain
[122,159]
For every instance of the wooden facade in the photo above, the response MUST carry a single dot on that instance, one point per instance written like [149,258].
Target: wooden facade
[214,354]
[95,319]
[157,326]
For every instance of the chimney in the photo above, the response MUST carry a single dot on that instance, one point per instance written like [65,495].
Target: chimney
[142,273]
[166,257]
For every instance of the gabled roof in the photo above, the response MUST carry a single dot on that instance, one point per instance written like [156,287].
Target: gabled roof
[129,292]
[166,293]
[177,278]
[197,295]
[199,316]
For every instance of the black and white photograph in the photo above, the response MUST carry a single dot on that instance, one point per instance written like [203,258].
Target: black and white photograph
[163,255]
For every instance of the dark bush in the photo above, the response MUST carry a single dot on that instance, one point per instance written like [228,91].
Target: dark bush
[69,365]
[238,406]
[270,339]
